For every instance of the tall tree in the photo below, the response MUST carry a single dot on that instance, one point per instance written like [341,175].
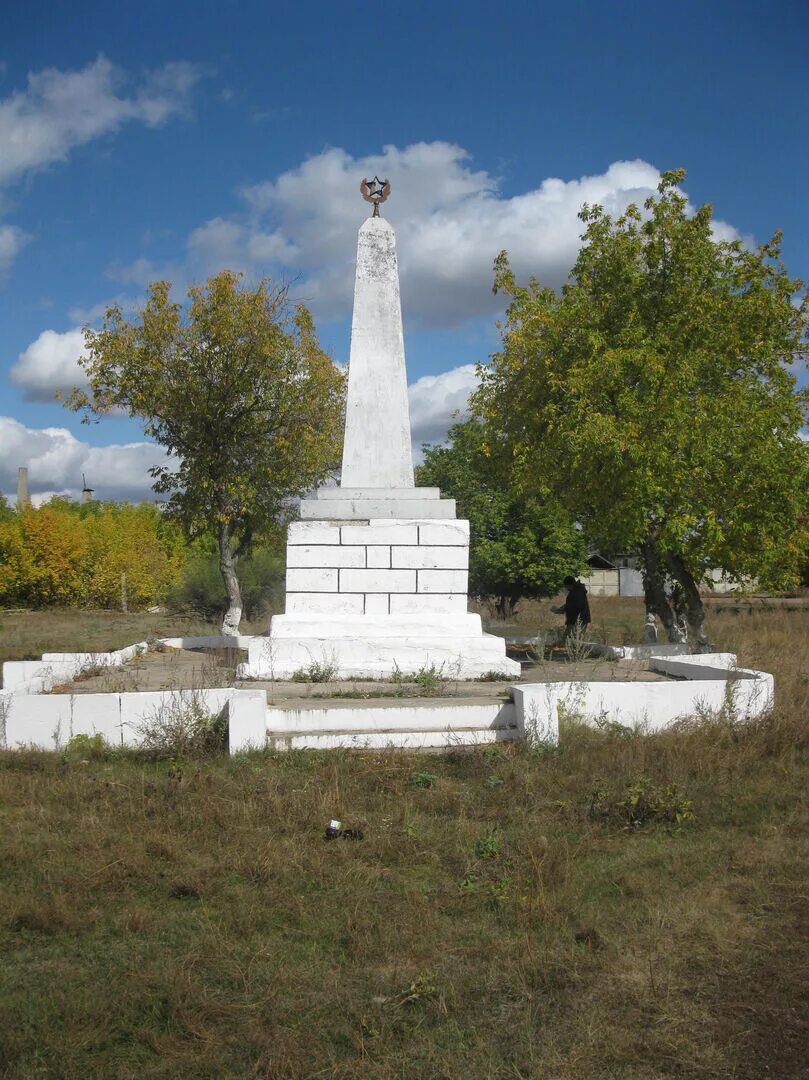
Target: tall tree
[520,545]
[655,395]
[237,389]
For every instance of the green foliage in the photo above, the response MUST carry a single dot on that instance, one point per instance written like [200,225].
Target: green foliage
[428,679]
[423,779]
[92,747]
[316,671]
[261,574]
[200,589]
[641,802]
[423,986]
[237,389]
[654,396]
[521,545]
[183,728]
[489,844]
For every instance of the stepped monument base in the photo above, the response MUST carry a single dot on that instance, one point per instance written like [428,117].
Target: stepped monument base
[372,596]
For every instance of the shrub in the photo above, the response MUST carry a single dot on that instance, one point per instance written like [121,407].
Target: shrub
[88,746]
[639,803]
[261,576]
[200,589]
[183,728]
[316,671]
[423,779]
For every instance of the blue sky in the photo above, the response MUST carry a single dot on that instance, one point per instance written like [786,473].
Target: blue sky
[173,139]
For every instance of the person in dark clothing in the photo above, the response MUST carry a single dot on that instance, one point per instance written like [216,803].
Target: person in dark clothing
[576,608]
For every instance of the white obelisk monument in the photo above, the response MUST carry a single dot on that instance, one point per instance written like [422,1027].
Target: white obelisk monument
[377,569]
[376,450]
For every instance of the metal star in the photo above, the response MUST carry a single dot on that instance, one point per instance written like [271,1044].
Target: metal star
[375,191]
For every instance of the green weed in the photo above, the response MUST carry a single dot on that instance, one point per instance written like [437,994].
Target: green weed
[423,779]
[317,671]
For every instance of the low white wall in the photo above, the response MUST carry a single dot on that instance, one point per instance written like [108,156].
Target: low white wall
[401,740]
[39,676]
[247,721]
[213,641]
[49,721]
[649,705]
[29,717]
[700,666]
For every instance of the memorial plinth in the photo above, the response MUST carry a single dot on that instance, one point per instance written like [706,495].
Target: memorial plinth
[377,569]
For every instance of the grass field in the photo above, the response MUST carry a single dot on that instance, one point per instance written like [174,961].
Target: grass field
[25,635]
[622,907]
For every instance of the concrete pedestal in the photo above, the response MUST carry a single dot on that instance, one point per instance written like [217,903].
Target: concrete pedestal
[353,647]
[373,596]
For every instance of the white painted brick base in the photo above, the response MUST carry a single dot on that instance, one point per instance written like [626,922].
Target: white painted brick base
[378,567]
[383,593]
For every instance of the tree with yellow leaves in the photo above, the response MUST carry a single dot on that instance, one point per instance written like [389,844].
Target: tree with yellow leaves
[63,554]
[237,389]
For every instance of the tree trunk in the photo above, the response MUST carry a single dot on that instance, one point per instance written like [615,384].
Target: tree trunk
[692,602]
[506,606]
[227,566]
[654,591]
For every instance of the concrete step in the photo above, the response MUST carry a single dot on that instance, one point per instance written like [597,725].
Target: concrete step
[382,739]
[405,509]
[374,717]
[377,493]
[282,700]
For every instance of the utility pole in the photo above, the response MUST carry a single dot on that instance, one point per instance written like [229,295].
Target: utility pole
[23,498]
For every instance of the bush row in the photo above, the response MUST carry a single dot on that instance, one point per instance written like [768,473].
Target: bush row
[65,554]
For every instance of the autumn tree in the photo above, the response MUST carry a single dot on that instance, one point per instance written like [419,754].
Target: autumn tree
[520,545]
[66,554]
[236,388]
[655,396]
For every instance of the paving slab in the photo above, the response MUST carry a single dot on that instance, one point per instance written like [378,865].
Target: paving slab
[183,669]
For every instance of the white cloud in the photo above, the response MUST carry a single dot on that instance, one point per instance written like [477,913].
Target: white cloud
[451,222]
[91,315]
[56,461]
[224,242]
[12,241]
[50,363]
[59,110]
[143,271]
[434,401]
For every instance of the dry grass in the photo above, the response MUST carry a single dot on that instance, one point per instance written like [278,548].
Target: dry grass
[25,635]
[189,919]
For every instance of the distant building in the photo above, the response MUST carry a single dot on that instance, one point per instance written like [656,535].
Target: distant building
[613,577]
[621,576]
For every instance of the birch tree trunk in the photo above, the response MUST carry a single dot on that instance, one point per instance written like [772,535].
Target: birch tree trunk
[227,566]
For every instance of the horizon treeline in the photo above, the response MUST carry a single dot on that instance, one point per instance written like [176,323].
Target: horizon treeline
[72,555]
